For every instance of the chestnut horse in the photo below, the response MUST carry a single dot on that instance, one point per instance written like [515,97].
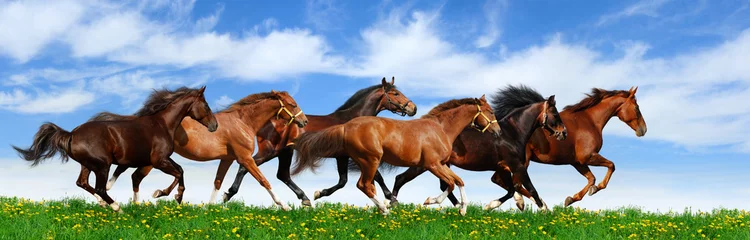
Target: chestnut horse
[274,139]
[424,142]
[240,123]
[146,140]
[521,110]
[586,121]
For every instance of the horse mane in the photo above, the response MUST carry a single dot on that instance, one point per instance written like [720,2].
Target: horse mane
[449,105]
[362,93]
[595,97]
[505,100]
[160,99]
[249,100]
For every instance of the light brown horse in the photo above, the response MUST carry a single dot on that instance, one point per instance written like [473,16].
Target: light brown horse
[235,141]
[424,142]
[585,122]
[145,140]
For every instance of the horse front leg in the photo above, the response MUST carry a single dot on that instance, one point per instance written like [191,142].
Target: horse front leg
[119,170]
[136,178]
[342,165]
[221,172]
[245,159]
[502,178]
[599,160]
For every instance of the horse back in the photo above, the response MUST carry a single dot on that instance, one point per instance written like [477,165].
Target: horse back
[119,142]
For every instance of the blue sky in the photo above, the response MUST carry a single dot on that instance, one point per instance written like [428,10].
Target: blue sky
[63,61]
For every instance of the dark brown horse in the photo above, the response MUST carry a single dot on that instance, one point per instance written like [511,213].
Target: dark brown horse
[146,140]
[521,110]
[235,142]
[586,121]
[274,139]
[424,142]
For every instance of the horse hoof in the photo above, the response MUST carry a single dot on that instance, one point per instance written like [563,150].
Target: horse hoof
[429,201]
[593,190]
[387,203]
[462,211]
[178,198]
[520,206]
[492,205]
[385,212]
[306,202]
[568,201]
[157,194]
[225,198]
[316,195]
[285,207]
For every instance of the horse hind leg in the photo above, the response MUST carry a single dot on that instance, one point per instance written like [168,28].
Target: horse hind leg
[101,188]
[221,172]
[246,160]
[83,182]
[342,166]
[464,204]
[503,179]
[285,163]
[172,168]
[599,160]
[365,183]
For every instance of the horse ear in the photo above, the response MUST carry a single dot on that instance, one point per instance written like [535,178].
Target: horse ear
[483,98]
[551,100]
[384,82]
[393,80]
[203,89]
[633,90]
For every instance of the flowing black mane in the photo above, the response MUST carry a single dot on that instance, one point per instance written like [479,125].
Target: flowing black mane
[160,99]
[363,93]
[250,99]
[512,97]
[595,97]
[449,105]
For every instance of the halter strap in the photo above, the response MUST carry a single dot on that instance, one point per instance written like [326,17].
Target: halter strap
[480,113]
[292,116]
[400,107]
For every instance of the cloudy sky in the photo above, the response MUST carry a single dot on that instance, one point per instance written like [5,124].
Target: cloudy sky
[63,61]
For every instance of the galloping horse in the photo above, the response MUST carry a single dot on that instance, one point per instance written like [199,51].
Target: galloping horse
[240,123]
[586,120]
[146,140]
[521,110]
[424,142]
[274,139]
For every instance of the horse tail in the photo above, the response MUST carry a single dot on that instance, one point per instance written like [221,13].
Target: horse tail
[48,141]
[108,116]
[313,146]
[383,167]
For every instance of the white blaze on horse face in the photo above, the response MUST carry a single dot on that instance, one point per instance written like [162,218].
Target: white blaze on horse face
[111,182]
[278,201]
[380,206]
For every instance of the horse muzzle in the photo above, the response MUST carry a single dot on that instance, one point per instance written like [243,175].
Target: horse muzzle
[641,131]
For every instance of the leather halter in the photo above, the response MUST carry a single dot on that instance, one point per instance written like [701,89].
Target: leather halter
[283,109]
[480,113]
[401,108]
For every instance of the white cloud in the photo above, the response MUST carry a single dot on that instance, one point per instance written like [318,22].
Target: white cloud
[492,10]
[683,98]
[28,26]
[223,102]
[324,14]
[644,7]
[112,32]
[205,24]
[129,86]
[62,101]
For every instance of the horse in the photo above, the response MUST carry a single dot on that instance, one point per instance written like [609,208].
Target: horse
[146,140]
[521,111]
[235,142]
[274,141]
[424,142]
[586,121]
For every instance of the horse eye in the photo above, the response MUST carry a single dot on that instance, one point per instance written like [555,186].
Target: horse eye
[395,94]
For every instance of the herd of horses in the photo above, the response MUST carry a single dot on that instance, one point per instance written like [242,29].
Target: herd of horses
[503,134]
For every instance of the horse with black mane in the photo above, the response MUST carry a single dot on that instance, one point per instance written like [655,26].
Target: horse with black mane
[146,140]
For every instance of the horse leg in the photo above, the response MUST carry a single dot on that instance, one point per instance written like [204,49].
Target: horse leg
[365,183]
[521,175]
[451,197]
[437,170]
[246,160]
[221,172]
[503,179]
[101,187]
[285,163]
[119,170]
[598,160]
[387,193]
[83,182]
[137,177]
[586,172]
[460,183]
[403,178]
[342,166]
[170,167]
[242,171]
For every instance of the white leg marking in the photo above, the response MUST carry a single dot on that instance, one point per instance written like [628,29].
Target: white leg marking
[387,203]
[464,201]
[278,201]
[135,197]
[493,204]
[213,196]
[437,200]
[116,207]
[111,182]
[380,206]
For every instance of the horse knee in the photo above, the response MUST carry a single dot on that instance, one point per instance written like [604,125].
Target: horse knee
[217,184]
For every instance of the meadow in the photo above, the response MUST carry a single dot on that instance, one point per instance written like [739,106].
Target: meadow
[79,219]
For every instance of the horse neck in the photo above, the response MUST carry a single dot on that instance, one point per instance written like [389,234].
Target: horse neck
[455,120]
[602,112]
[258,114]
[522,122]
[173,114]
[367,106]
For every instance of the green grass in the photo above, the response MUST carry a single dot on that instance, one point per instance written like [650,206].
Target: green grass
[79,219]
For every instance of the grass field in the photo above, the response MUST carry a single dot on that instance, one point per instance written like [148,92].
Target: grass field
[78,219]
